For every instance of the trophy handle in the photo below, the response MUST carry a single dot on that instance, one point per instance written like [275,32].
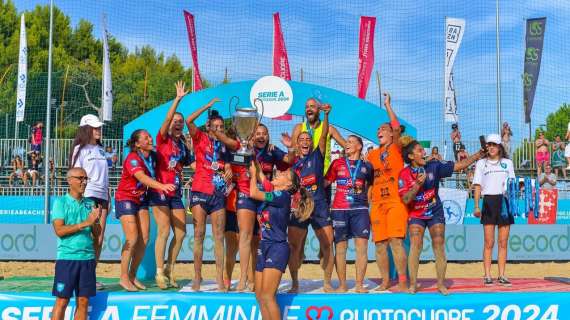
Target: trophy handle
[235,106]
[257,109]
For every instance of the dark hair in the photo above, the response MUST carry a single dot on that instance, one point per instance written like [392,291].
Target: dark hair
[306,204]
[82,138]
[215,115]
[408,150]
[434,148]
[359,139]
[132,142]
[502,153]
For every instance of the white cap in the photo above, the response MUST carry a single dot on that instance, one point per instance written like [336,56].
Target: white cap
[493,138]
[90,120]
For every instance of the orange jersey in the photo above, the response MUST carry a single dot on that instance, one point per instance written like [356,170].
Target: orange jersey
[387,164]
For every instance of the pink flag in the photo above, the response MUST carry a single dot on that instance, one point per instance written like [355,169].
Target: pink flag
[365,54]
[280,60]
[189,18]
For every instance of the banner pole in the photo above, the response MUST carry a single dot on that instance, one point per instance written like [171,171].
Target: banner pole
[48,120]
[443,144]
[498,52]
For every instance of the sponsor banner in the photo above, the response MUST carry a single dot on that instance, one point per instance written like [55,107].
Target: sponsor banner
[365,54]
[453,201]
[547,208]
[454,30]
[107,86]
[275,94]
[203,306]
[197,79]
[532,56]
[22,73]
[280,60]
[462,242]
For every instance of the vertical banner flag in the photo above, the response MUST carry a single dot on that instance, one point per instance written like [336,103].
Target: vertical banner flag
[532,57]
[107,87]
[280,59]
[22,73]
[197,80]
[454,30]
[365,54]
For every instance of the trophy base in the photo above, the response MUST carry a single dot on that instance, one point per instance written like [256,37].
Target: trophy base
[240,159]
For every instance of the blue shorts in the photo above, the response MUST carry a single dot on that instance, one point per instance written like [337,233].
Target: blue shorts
[129,208]
[37,148]
[209,202]
[161,200]
[245,202]
[427,222]
[74,276]
[348,224]
[231,222]
[319,219]
[273,255]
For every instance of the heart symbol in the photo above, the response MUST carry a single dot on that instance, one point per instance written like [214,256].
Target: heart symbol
[319,311]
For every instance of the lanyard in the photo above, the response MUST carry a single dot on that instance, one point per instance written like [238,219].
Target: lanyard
[181,150]
[149,164]
[353,173]
[217,145]
[310,129]
[260,153]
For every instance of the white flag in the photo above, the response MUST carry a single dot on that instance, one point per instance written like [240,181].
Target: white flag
[22,73]
[454,30]
[107,94]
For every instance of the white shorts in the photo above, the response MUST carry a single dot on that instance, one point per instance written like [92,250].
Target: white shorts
[567,151]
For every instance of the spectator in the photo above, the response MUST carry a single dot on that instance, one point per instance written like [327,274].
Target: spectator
[506,134]
[567,150]
[18,173]
[435,155]
[37,137]
[111,157]
[558,162]
[547,180]
[456,139]
[52,180]
[74,220]
[542,154]
[33,172]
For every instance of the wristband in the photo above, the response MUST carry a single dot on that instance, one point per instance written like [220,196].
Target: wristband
[395,124]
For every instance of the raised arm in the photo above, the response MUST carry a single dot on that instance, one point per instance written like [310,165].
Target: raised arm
[296,132]
[337,136]
[394,123]
[411,194]
[190,120]
[232,144]
[180,93]
[460,165]
[287,141]
[254,191]
[323,140]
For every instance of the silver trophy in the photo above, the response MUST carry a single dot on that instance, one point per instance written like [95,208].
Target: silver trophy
[244,122]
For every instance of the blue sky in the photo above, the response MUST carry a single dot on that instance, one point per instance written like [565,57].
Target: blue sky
[322,38]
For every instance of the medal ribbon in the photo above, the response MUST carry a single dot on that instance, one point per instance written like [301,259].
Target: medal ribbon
[354,172]
[148,164]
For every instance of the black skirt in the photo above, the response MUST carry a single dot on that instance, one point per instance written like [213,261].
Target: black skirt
[491,214]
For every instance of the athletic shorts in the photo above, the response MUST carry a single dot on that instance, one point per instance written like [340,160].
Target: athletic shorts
[209,202]
[428,223]
[273,255]
[74,277]
[129,208]
[542,157]
[98,201]
[348,224]
[319,219]
[37,148]
[245,202]
[388,220]
[491,213]
[161,200]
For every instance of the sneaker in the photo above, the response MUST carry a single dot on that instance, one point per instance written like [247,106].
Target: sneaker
[504,281]
[99,286]
[488,281]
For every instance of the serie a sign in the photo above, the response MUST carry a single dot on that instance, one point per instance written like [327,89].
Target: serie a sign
[275,93]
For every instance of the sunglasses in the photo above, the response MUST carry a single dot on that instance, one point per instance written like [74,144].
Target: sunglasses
[81,178]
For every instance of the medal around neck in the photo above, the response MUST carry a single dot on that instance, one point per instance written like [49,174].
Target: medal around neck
[244,122]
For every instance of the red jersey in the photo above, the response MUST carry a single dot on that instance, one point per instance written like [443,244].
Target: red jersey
[208,152]
[129,187]
[38,135]
[170,160]
[350,194]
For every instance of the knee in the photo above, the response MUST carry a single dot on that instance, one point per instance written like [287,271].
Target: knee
[199,236]
[179,235]
[438,242]
[489,244]
[503,244]
[163,233]
[245,236]
[131,242]
[341,250]
[265,298]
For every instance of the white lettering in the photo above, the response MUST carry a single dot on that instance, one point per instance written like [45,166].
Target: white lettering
[155,309]
[10,313]
[136,312]
[286,312]
[111,313]
[28,313]
[191,314]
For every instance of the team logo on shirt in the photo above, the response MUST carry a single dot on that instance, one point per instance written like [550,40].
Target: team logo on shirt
[101,152]
[363,170]
[60,286]
[134,163]
[503,165]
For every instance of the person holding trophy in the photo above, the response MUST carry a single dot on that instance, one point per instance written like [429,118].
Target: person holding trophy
[167,207]
[309,165]
[209,188]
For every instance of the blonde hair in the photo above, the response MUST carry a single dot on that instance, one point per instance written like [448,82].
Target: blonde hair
[306,204]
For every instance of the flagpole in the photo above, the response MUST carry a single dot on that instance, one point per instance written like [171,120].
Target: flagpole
[48,121]
[443,144]
[499,115]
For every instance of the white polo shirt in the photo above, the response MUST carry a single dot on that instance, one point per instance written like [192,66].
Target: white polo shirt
[492,176]
[92,160]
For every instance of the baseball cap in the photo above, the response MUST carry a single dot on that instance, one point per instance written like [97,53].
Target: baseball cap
[493,138]
[90,120]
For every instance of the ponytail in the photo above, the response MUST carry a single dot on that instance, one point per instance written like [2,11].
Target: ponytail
[132,142]
[306,204]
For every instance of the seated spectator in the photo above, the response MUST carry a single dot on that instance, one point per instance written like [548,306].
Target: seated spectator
[558,162]
[111,157]
[547,180]
[36,137]
[435,155]
[18,171]
[33,172]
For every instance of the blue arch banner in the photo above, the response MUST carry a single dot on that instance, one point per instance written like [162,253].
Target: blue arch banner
[349,112]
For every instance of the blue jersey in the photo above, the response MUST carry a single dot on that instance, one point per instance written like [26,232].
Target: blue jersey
[426,203]
[310,170]
[273,216]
